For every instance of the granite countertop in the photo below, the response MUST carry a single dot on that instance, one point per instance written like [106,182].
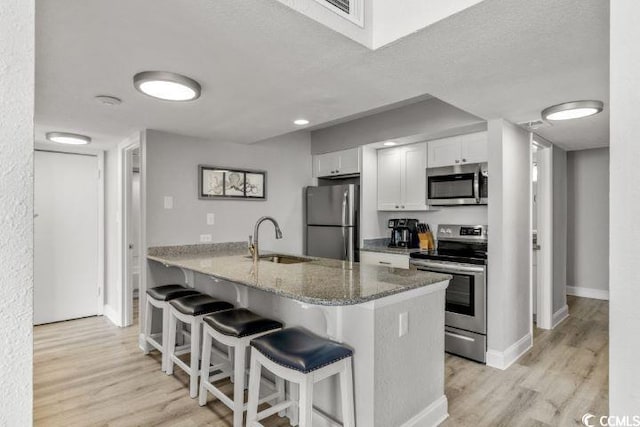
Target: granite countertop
[320,281]
[382,246]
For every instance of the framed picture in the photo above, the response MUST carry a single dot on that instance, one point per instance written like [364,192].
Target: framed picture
[216,182]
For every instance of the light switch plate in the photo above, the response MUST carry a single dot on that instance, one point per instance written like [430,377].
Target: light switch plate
[403,324]
[205,238]
[211,219]
[168,202]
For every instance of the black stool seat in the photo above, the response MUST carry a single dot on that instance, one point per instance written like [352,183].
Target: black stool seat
[240,322]
[299,349]
[169,292]
[195,305]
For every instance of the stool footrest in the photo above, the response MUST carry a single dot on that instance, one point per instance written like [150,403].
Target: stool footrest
[183,365]
[274,409]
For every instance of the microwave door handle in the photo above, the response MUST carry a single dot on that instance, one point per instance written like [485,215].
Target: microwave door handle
[476,185]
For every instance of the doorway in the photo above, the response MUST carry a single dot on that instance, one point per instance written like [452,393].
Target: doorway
[131,228]
[68,236]
[542,233]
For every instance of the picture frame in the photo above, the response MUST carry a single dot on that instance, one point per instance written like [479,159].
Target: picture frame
[217,182]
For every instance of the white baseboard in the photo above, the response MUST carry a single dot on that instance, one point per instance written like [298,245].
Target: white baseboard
[560,315]
[431,416]
[504,359]
[111,314]
[588,292]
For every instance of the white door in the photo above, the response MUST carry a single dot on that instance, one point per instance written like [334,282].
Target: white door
[444,152]
[66,237]
[389,179]
[415,177]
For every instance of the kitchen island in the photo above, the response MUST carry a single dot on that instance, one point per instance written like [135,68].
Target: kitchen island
[392,318]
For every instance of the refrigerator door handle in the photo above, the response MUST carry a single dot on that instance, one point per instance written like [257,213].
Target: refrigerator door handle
[345,206]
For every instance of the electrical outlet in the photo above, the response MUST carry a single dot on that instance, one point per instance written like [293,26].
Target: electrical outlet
[205,238]
[403,324]
[168,202]
[211,219]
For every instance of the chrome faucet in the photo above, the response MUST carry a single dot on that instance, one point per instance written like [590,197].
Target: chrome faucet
[253,244]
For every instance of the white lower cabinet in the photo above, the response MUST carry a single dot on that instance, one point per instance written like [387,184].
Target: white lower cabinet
[384,259]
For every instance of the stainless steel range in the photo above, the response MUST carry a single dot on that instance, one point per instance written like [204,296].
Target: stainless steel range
[462,253]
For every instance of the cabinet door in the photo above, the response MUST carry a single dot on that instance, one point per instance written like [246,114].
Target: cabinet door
[349,161]
[389,179]
[474,148]
[414,177]
[444,152]
[325,164]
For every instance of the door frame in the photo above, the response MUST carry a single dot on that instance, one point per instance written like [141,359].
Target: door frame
[544,285]
[99,155]
[125,177]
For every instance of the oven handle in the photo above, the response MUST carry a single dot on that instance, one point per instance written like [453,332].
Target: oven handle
[462,337]
[448,267]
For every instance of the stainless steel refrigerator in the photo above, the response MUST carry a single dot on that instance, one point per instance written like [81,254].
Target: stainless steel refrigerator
[332,221]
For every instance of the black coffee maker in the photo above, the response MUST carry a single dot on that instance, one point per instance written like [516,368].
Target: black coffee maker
[404,233]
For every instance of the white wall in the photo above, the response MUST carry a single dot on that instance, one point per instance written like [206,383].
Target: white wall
[624,328]
[16,210]
[429,119]
[509,217]
[559,160]
[588,221]
[172,170]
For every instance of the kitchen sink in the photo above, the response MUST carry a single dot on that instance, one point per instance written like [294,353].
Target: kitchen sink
[283,259]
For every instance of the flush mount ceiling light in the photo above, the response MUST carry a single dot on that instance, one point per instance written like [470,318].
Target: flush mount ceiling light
[167,86]
[389,143]
[301,122]
[68,138]
[572,110]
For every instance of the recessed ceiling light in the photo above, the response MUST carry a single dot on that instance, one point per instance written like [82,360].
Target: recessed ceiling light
[572,110]
[167,86]
[301,122]
[68,138]
[389,143]
[108,100]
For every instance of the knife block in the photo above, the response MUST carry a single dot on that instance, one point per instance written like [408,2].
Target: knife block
[426,241]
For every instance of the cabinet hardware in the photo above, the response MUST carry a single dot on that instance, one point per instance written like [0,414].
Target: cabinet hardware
[384,263]
[464,160]
[457,161]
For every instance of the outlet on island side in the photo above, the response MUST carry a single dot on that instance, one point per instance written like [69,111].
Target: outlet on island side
[205,238]
[403,324]
[211,219]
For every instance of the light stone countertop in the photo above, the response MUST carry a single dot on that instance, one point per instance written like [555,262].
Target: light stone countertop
[381,246]
[320,281]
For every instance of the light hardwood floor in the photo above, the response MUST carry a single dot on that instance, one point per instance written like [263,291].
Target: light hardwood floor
[89,373]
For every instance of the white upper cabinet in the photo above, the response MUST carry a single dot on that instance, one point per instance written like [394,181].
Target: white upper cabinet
[458,150]
[345,162]
[402,179]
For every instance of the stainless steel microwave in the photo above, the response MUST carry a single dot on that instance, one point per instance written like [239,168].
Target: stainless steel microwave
[458,185]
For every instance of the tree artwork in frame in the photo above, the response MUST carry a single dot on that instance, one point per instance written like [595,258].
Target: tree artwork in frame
[229,183]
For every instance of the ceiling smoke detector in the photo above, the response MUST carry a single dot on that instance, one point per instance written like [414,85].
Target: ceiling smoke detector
[108,100]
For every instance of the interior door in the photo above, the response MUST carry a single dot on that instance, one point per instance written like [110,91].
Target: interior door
[66,237]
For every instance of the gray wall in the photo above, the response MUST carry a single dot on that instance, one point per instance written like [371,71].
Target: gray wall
[16,210]
[559,228]
[588,219]
[624,328]
[509,214]
[430,119]
[172,170]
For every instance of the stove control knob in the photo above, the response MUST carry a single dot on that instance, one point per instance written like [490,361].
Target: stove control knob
[442,230]
[448,231]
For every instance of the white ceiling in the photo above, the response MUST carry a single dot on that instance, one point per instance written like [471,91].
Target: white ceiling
[262,65]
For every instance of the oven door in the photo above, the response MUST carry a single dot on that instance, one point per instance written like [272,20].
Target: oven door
[465,301]
[453,189]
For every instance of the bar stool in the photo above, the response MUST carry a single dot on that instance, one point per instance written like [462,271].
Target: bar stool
[190,310]
[159,297]
[302,357]
[235,329]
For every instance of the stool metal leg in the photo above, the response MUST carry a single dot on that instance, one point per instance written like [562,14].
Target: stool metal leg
[238,387]
[254,390]
[204,371]
[346,390]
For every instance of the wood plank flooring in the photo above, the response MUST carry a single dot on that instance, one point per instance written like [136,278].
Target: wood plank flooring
[88,372]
